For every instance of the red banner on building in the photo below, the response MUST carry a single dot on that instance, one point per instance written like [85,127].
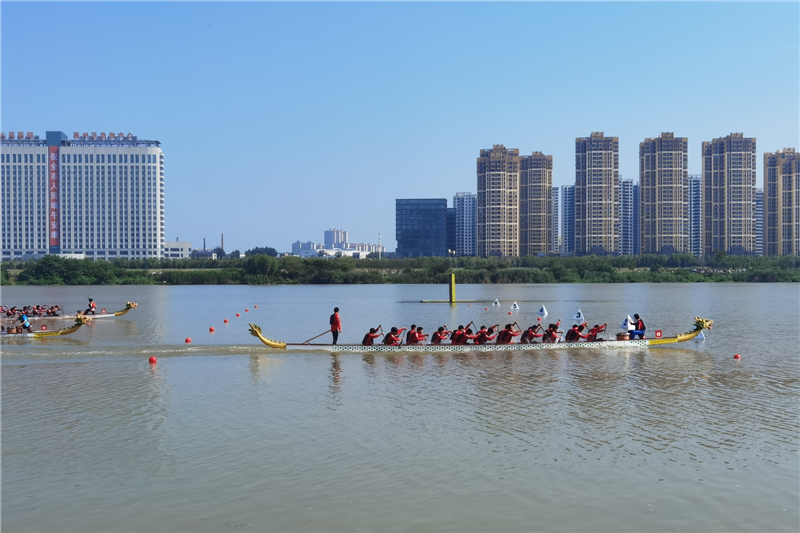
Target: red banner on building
[54,200]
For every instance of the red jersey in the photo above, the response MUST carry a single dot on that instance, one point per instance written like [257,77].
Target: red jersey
[336,323]
[369,339]
[439,337]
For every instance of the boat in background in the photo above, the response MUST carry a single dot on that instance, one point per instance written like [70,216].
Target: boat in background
[699,325]
[79,321]
[128,307]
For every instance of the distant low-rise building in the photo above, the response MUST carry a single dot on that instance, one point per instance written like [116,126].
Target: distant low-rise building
[204,254]
[177,250]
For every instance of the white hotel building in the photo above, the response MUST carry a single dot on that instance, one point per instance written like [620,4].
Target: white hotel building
[96,196]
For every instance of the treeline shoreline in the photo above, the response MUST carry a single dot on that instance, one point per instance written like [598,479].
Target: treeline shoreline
[262,269]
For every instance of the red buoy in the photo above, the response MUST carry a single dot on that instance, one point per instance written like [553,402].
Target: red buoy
[539,319]
[153,360]
[469,305]
[188,340]
[226,320]
[246,310]
[485,308]
[255,306]
[737,356]
[211,329]
[509,312]
[237,314]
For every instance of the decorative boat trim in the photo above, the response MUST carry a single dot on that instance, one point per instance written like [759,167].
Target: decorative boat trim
[79,321]
[699,325]
[128,307]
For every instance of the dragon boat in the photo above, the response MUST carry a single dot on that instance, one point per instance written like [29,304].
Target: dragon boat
[700,324]
[128,307]
[79,321]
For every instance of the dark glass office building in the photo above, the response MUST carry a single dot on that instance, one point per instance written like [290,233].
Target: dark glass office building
[421,227]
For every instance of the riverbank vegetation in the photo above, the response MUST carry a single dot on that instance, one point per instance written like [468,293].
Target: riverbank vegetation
[261,269]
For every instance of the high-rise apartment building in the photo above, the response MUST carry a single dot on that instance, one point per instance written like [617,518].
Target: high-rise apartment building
[597,195]
[567,219]
[100,196]
[729,193]
[782,202]
[536,204]
[335,238]
[695,186]
[555,244]
[628,217]
[466,204]
[759,221]
[421,227]
[664,195]
[498,202]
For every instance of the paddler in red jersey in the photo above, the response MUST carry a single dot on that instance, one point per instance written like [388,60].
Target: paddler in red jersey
[507,335]
[369,338]
[532,333]
[439,335]
[592,337]
[551,333]
[469,336]
[393,337]
[486,335]
[419,337]
[411,335]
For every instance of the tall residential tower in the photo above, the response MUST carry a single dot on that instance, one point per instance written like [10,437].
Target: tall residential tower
[536,204]
[782,202]
[664,195]
[597,195]
[729,195]
[498,202]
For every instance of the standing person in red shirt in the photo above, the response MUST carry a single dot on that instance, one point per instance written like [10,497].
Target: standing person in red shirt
[439,335]
[336,325]
[370,337]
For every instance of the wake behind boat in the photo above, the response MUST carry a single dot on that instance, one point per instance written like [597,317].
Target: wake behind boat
[79,321]
[699,325]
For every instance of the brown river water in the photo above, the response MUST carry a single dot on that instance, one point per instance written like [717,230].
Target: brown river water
[225,434]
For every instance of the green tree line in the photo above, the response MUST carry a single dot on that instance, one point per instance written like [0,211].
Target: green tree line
[261,269]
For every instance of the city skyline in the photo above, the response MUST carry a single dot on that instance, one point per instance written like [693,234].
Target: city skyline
[263,108]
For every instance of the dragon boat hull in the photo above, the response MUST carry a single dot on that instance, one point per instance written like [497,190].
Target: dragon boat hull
[128,307]
[79,321]
[700,325]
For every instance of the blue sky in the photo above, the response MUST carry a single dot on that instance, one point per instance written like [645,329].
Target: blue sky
[281,120]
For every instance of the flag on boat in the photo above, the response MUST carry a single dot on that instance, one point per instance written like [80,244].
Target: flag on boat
[543,311]
[496,303]
[578,316]
[627,324]
[514,307]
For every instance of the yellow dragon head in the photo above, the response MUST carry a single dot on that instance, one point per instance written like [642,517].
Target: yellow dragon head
[702,323]
[131,305]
